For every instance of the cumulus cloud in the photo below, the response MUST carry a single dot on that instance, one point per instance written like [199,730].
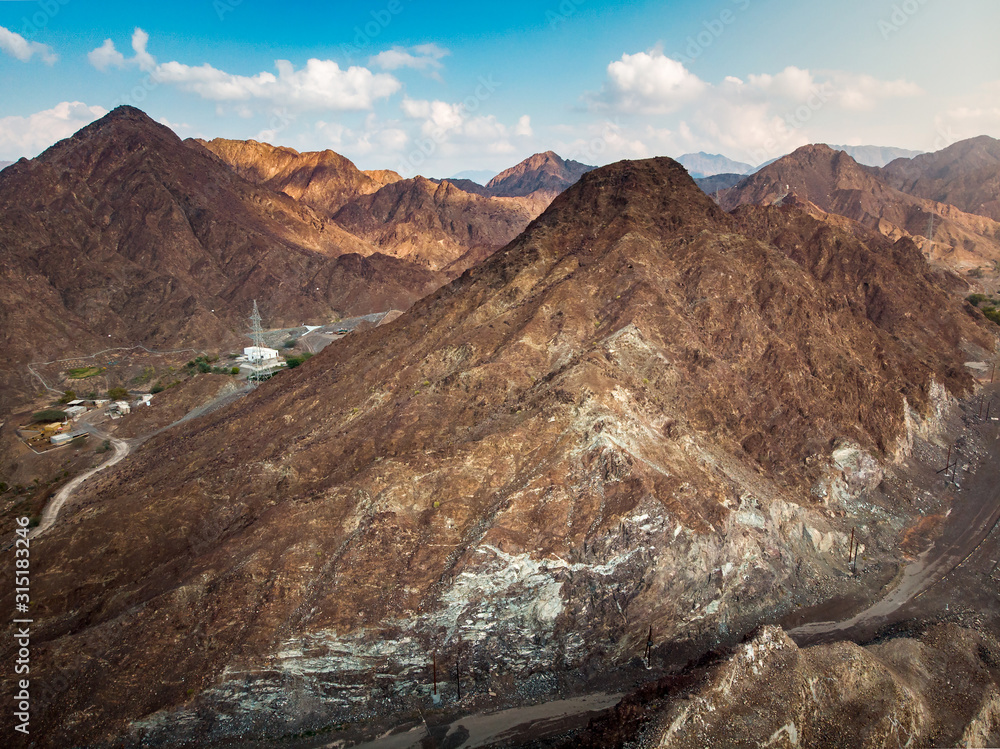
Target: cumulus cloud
[648,82]
[319,85]
[453,129]
[28,136]
[766,114]
[425,57]
[20,48]
[107,55]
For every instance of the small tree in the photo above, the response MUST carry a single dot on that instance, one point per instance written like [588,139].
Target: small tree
[68,396]
[118,394]
[48,416]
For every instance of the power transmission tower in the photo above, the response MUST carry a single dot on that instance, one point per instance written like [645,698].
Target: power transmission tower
[257,336]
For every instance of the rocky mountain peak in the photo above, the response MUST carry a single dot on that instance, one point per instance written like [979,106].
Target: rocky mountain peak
[542,171]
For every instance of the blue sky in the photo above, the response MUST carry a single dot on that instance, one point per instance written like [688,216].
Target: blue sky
[435,88]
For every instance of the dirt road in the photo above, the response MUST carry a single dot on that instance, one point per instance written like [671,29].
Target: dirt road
[52,509]
[122,449]
[973,517]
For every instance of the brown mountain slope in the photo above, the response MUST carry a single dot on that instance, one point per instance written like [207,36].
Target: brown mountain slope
[938,688]
[632,416]
[124,235]
[323,180]
[965,174]
[832,182]
[544,172]
[438,225]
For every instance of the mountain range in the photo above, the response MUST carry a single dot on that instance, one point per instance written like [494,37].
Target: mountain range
[514,480]
[123,234]
[703,164]
[876,155]
[965,174]
[825,182]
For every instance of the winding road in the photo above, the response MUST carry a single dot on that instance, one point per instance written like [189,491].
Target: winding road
[122,448]
[52,509]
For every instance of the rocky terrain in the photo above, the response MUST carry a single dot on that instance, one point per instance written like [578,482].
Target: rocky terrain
[323,180]
[123,234]
[547,173]
[438,225]
[936,687]
[605,428]
[965,174]
[825,181]
[717,182]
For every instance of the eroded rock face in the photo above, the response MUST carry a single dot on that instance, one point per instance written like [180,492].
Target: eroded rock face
[940,689]
[615,423]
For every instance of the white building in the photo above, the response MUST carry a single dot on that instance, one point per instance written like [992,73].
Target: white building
[122,407]
[74,411]
[260,355]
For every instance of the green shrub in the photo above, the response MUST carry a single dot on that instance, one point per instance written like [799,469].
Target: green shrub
[993,314]
[104,447]
[82,373]
[290,343]
[48,416]
[294,361]
[68,396]
[118,394]
[976,299]
[234,371]
[204,367]
[157,388]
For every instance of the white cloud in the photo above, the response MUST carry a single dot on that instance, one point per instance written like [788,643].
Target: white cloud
[320,85]
[106,56]
[765,115]
[523,128]
[20,48]
[28,136]
[420,57]
[648,82]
